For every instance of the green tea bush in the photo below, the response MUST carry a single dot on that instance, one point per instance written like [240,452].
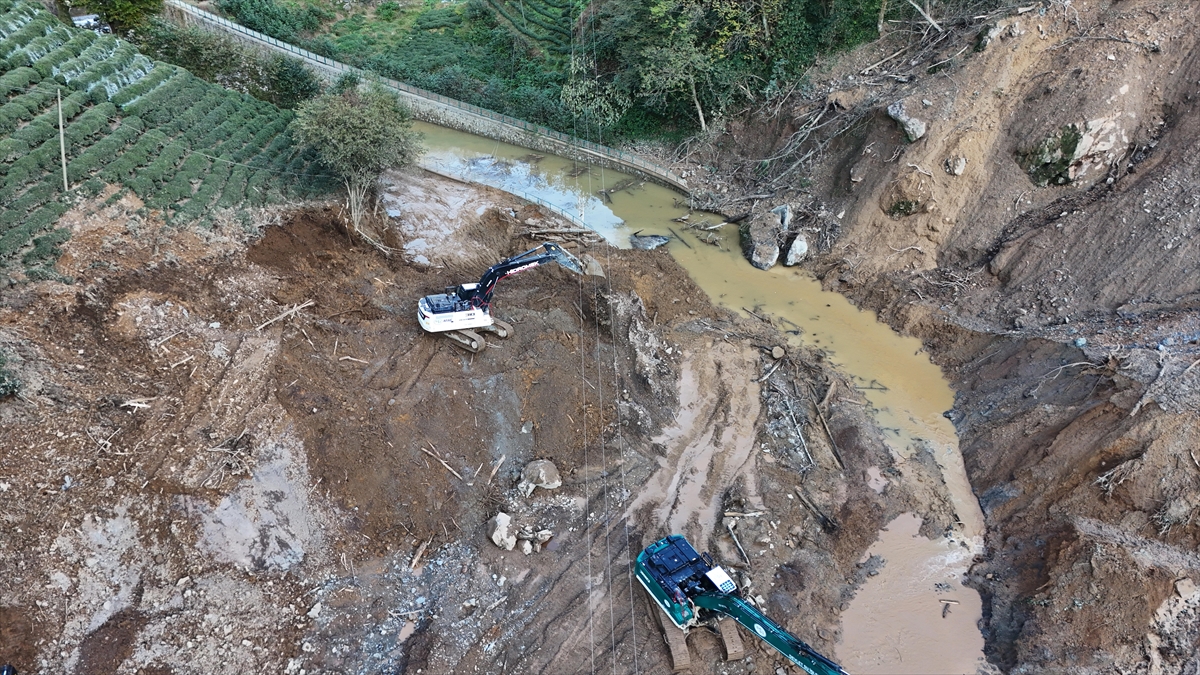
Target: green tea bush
[47,66]
[99,50]
[161,73]
[33,198]
[45,248]
[102,152]
[11,149]
[87,125]
[18,79]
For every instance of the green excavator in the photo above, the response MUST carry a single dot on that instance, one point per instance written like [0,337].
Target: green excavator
[689,588]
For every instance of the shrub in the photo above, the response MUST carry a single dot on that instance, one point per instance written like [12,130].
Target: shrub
[18,79]
[278,21]
[9,384]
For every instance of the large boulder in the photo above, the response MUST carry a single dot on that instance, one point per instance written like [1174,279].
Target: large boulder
[539,473]
[498,530]
[797,251]
[913,127]
[1073,151]
[760,240]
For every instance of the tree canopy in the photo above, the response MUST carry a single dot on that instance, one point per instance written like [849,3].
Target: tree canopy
[124,15]
[358,134]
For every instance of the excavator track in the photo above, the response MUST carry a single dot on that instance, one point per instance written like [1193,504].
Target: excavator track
[468,340]
[500,329]
[676,639]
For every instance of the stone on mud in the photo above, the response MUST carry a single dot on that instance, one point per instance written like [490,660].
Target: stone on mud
[797,251]
[539,473]
[955,166]
[914,128]
[647,242]
[760,240]
[498,531]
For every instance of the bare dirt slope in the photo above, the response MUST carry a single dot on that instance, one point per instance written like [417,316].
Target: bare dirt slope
[1058,292]
[195,480]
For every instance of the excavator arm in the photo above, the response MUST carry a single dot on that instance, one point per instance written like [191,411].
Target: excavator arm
[770,632]
[480,294]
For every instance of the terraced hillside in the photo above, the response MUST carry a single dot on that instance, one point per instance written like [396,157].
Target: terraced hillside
[184,146]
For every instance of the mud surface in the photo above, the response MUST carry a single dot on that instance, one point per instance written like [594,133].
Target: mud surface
[197,478]
[1064,312]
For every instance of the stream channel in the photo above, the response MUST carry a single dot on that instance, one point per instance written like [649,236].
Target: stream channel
[896,622]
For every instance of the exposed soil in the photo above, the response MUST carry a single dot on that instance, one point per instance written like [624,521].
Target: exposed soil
[195,483]
[1064,315]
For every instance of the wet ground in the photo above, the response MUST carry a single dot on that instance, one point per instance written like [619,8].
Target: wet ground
[212,479]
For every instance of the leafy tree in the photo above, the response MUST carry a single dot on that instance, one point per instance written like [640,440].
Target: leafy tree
[358,134]
[124,15]
[674,68]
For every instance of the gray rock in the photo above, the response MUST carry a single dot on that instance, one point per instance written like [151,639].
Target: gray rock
[955,166]
[760,241]
[540,473]
[498,528]
[1081,342]
[797,251]
[647,242]
[913,127]
[785,215]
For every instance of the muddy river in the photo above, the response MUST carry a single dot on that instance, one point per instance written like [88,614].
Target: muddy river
[898,622]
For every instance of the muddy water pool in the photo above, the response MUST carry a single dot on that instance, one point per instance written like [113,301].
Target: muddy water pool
[896,623]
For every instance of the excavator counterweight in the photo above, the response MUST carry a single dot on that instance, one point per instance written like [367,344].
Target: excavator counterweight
[687,586]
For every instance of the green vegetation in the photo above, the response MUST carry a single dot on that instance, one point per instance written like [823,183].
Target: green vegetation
[1049,162]
[123,15]
[600,69]
[903,208]
[274,78]
[358,134]
[9,384]
[181,144]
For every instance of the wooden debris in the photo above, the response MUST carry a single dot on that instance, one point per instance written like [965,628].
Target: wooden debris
[828,524]
[351,358]
[287,313]
[138,403]
[443,462]
[416,559]
[496,468]
[729,527]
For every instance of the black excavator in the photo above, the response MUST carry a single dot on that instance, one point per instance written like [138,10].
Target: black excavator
[689,588]
[461,310]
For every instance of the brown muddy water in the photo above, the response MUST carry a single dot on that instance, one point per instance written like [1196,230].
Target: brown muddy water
[896,622]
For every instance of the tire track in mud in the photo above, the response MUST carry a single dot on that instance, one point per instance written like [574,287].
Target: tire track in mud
[708,449]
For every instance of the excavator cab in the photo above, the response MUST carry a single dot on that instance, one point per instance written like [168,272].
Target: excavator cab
[690,588]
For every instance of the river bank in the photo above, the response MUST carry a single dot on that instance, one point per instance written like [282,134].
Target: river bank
[1054,291]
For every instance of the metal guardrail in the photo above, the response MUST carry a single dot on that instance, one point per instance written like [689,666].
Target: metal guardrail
[625,158]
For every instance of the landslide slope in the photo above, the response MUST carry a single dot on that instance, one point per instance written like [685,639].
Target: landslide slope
[1041,237]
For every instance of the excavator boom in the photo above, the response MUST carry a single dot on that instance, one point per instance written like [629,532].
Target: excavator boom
[770,632]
